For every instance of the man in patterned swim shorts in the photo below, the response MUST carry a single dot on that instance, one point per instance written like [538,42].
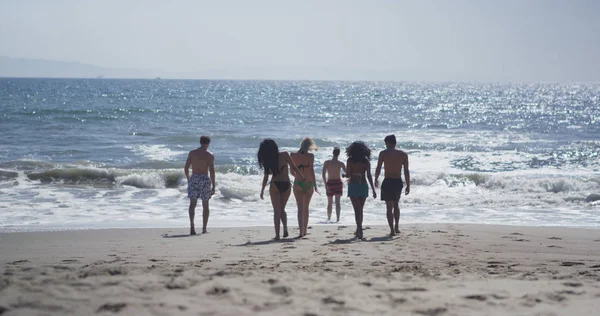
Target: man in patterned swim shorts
[200,185]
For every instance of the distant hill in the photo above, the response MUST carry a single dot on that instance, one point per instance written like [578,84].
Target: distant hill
[25,67]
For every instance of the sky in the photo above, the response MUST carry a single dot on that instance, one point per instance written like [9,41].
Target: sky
[472,40]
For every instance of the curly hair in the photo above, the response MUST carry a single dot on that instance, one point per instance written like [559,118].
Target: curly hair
[358,152]
[268,156]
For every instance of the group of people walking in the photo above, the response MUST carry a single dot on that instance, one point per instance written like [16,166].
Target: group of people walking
[277,166]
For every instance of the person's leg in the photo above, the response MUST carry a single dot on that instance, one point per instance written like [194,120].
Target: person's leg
[361,204]
[276,202]
[283,202]
[390,215]
[329,207]
[192,212]
[355,208]
[299,195]
[338,207]
[397,216]
[305,204]
[205,213]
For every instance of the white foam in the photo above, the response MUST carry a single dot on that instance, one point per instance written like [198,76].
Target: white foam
[157,152]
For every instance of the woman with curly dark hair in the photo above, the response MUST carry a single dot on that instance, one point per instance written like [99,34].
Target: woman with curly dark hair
[276,164]
[358,164]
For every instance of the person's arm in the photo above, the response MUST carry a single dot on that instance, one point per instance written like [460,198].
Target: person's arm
[188,163]
[344,168]
[324,173]
[312,163]
[406,175]
[371,179]
[378,169]
[349,169]
[264,184]
[295,170]
[211,169]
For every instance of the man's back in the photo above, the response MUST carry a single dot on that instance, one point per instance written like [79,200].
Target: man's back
[200,159]
[393,160]
[333,168]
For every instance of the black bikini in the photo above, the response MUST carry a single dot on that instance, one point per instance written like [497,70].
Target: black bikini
[282,186]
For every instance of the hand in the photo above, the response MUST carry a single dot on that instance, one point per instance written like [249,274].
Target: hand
[377,183]
[212,191]
[374,194]
[407,191]
[262,193]
[344,175]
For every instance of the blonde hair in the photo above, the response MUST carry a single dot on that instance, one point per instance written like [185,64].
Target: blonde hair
[307,145]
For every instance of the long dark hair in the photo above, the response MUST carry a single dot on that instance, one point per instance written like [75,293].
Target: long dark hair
[358,152]
[268,156]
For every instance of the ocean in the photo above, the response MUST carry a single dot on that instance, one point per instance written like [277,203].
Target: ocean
[100,153]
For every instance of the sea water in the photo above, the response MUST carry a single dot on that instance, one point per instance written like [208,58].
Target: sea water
[92,153]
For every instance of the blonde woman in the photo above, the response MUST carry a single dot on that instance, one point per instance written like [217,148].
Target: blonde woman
[305,184]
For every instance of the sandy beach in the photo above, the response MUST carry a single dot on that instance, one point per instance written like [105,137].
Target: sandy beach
[443,269]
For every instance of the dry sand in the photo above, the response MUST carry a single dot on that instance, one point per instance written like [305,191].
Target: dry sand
[427,270]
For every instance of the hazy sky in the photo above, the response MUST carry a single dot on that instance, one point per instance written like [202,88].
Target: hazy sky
[517,40]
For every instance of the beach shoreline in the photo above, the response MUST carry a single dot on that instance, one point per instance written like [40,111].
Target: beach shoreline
[429,269]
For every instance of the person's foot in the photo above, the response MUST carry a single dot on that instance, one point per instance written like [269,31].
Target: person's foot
[204,231]
[397,230]
[192,231]
[285,233]
[392,233]
[276,238]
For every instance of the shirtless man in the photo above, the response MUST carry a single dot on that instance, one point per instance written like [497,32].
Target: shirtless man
[334,184]
[391,188]
[200,186]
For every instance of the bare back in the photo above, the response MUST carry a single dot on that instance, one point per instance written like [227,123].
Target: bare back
[200,160]
[304,162]
[393,160]
[334,168]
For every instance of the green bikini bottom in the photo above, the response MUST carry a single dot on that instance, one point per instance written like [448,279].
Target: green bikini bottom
[304,185]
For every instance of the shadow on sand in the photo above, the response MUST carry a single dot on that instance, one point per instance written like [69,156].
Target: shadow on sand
[265,242]
[179,236]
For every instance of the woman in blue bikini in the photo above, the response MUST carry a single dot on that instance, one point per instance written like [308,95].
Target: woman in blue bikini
[305,183]
[358,164]
[276,164]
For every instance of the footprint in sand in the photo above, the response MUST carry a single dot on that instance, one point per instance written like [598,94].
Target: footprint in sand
[572,284]
[554,246]
[439,231]
[595,267]
[281,290]
[476,297]
[113,308]
[431,311]
[522,240]
[217,290]
[555,238]
[19,262]
[70,261]
[516,234]
[570,264]
[331,300]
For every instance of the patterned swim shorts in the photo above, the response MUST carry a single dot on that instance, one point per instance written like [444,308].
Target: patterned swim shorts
[199,187]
